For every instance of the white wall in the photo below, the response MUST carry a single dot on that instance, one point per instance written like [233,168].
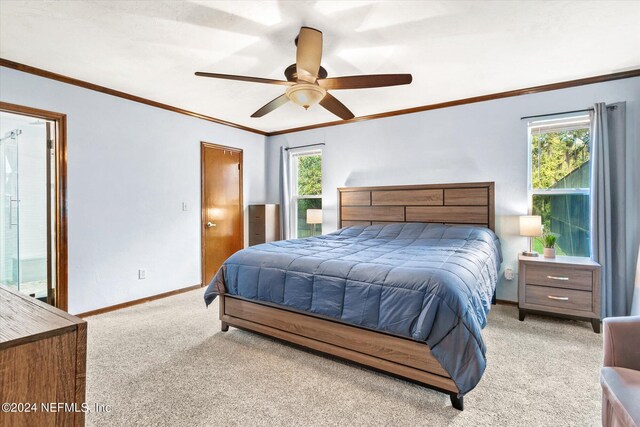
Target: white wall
[476,142]
[130,167]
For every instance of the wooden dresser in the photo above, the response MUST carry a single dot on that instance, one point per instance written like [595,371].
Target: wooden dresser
[564,286]
[42,362]
[264,224]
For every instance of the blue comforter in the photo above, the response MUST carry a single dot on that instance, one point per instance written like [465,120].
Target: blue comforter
[429,282]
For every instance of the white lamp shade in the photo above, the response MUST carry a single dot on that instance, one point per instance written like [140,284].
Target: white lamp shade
[305,94]
[314,216]
[531,225]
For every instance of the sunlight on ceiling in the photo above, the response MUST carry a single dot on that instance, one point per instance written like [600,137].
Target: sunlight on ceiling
[262,13]
[453,49]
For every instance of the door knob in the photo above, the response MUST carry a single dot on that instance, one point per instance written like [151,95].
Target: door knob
[210,224]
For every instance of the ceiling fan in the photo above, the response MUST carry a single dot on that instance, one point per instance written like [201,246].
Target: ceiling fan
[307,80]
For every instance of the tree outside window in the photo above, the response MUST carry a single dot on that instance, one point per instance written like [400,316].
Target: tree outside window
[306,168]
[560,181]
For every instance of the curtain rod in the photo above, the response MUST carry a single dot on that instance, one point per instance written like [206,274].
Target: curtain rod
[613,107]
[303,146]
[556,114]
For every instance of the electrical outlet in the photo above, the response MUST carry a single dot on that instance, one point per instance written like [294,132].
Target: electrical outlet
[508,273]
[142,274]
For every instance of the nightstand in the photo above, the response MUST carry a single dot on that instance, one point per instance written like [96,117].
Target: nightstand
[561,286]
[264,224]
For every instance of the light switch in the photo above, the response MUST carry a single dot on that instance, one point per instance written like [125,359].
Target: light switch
[185,206]
[142,274]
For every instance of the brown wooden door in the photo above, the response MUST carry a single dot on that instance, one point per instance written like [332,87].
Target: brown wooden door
[222,210]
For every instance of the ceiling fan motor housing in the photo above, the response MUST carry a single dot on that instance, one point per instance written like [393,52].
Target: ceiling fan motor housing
[291,73]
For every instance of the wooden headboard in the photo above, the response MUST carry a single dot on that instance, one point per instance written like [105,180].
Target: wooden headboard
[465,203]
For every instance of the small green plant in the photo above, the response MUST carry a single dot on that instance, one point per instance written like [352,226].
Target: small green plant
[549,240]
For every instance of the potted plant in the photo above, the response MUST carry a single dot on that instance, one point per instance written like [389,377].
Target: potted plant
[549,242]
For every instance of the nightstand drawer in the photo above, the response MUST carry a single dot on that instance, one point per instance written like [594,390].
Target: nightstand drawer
[559,277]
[256,240]
[256,228]
[559,297]
[256,213]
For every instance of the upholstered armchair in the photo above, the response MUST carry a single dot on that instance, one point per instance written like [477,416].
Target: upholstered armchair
[620,375]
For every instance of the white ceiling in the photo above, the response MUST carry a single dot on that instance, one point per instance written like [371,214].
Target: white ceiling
[454,49]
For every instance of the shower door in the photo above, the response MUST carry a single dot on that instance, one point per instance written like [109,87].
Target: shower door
[26,262]
[9,243]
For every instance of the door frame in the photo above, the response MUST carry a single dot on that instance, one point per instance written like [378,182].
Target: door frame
[60,209]
[203,145]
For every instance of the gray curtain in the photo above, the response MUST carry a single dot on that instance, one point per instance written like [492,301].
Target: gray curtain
[635,304]
[285,195]
[611,245]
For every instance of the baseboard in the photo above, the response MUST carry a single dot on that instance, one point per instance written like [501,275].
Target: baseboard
[138,301]
[187,289]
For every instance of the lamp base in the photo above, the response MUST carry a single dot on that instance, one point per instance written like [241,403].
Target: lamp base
[531,254]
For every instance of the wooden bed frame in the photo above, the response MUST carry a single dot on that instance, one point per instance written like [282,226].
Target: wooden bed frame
[466,203]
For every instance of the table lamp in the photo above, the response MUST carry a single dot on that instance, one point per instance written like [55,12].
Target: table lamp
[530,226]
[314,216]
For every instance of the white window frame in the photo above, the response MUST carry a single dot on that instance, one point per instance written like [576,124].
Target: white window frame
[293,180]
[576,121]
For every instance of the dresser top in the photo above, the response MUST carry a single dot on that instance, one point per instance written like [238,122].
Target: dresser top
[572,260]
[24,319]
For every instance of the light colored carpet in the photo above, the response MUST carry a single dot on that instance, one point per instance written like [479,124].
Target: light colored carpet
[167,363]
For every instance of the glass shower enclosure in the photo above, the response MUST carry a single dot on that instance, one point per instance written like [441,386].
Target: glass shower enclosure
[26,261]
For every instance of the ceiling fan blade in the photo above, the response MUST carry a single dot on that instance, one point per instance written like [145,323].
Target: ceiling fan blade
[366,81]
[336,107]
[309,54]
[244,78]
[272,105]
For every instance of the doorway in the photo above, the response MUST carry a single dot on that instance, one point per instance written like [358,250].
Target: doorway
[222,220]
[33,257]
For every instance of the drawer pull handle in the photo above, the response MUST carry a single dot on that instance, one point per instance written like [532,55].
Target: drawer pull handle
[558,298]
[557,278]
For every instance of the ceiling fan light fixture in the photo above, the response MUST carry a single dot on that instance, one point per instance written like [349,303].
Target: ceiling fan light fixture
[308,83]
[305,94]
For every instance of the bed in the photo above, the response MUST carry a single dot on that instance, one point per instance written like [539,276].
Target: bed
[404,286]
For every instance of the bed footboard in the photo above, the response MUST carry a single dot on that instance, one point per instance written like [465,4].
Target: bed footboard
[398,356]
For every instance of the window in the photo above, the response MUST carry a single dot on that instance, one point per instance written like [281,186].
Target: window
[560,181]
[306,191]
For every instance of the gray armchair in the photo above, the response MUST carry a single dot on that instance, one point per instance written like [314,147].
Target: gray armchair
[620,374]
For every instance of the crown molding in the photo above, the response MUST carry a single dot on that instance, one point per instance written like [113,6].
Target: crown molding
[482,98]
[81,83]
[517,92]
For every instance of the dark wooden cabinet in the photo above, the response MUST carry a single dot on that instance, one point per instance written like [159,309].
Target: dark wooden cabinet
[43,356]
[264,224]
[565,286]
